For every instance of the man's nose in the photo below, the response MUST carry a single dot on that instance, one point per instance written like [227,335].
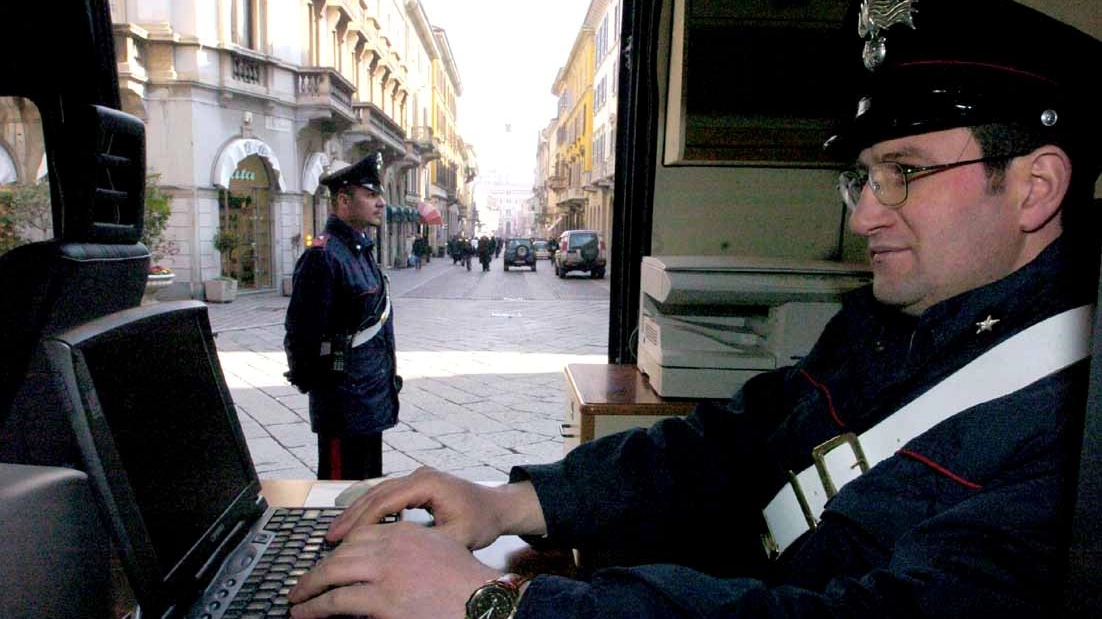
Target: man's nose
[868,214]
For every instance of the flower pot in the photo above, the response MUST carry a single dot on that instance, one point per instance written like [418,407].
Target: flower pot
[220,290]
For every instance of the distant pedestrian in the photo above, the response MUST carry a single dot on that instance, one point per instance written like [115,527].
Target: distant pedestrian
[485,252]
[340,339]
[419,251]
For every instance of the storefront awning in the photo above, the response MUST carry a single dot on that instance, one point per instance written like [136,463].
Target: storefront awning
[429,214]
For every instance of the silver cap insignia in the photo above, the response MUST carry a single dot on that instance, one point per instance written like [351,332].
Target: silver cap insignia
[878,15]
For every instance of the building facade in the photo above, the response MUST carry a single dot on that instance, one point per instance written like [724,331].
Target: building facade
[576,155]
[606,47]
[247,103]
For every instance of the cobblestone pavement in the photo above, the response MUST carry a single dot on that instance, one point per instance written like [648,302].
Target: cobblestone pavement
[481,354]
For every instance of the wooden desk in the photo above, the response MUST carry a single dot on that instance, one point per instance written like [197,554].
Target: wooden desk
[607,398]
[509,553]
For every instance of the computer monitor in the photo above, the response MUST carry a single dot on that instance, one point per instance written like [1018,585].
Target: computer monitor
[160,441]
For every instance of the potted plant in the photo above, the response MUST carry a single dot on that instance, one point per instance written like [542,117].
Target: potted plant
[158,210]
[223,289]
[226,240]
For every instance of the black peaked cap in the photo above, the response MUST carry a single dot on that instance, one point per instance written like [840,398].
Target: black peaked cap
[940,64]
[366,173]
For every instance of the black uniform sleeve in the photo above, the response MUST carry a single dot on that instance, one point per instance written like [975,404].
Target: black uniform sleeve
[960,564]
[309,319]
[630,496]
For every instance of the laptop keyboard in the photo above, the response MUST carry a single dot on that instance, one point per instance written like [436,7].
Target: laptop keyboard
[298,543]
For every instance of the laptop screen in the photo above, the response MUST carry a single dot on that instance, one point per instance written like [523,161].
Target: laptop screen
[159,433]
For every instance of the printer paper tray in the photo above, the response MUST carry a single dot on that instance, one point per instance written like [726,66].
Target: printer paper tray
[675,382]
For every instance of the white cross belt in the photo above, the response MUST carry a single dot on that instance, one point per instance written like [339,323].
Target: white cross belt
[1043,349]
[364,336]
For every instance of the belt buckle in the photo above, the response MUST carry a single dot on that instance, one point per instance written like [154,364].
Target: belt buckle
[819,453]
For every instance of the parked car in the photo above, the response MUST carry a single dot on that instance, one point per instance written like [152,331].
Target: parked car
[543,252]
[519,253]
[580,250]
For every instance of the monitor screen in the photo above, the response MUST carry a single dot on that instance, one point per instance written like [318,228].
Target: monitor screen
[159,432]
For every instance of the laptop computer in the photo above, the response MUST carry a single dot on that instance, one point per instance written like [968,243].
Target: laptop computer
[159,437]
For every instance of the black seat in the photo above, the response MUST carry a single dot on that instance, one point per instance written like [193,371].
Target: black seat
[94,267]
[54,285]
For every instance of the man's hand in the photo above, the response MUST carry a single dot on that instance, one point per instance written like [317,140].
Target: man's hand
[470,513]
[392,571]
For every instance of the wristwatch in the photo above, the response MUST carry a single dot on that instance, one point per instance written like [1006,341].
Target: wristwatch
[496,599]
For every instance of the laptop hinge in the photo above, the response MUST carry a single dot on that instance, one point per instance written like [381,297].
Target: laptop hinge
[215,561]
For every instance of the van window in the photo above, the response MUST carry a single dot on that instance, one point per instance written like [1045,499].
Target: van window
[25,214]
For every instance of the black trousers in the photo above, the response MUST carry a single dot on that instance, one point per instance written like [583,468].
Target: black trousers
[350,457]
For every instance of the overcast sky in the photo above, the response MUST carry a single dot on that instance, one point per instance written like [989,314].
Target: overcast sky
[508,53]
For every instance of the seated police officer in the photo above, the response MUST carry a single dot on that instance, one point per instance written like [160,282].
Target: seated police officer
[340,332]
[956,379]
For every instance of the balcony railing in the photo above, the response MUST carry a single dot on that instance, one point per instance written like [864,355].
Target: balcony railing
[325,90]
[556,183]
[423,142]
[421,135]
[574,194]
[605,172]
[376,127]
[247,70]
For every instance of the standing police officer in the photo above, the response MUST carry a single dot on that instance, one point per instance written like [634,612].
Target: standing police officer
[340,336]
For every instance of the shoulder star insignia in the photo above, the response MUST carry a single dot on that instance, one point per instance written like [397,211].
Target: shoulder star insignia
[987,324]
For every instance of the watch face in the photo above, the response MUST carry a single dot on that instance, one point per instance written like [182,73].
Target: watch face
[491,601]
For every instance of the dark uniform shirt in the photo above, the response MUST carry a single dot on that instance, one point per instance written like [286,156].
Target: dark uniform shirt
[967,520]
[338,290]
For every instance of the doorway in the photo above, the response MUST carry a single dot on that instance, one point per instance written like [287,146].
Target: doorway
[244,217]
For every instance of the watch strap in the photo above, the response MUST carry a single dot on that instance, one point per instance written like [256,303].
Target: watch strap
[510,582]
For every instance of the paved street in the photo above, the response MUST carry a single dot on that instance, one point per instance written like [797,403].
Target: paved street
[481,354]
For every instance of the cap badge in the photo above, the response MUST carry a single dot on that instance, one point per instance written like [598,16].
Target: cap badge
[877,15]
[379,164]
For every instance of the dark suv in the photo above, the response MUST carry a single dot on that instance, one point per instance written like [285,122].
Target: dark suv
[580,250]
[520,253]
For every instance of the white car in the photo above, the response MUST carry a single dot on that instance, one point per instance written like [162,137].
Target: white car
[543,252]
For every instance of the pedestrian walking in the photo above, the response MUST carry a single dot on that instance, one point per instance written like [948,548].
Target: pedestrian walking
[419,250]
[485,252]
[340,336]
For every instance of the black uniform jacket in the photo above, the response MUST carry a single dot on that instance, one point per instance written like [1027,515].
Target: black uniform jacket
[337,289]
[967,520]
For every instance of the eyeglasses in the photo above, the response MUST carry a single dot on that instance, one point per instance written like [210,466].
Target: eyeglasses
[888,179]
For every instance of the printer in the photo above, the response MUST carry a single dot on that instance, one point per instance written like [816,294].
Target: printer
[709,323]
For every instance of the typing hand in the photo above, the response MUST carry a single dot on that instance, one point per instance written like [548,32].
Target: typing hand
[400,571]
[470,513]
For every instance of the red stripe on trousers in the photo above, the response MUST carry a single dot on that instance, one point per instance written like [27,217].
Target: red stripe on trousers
[335,459]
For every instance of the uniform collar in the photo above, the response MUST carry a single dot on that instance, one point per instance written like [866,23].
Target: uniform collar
[1050,283]
[984,316]
[356,240]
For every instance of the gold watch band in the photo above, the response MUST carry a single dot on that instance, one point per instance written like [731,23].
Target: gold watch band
[497,598]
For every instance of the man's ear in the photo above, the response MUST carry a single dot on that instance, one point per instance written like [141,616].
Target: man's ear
[1042,177]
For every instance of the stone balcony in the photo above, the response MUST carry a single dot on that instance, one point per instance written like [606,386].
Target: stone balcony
[373,128]
[322,92]
[422,140]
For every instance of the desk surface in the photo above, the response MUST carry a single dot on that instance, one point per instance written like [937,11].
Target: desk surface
[509,553]
[611,389]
